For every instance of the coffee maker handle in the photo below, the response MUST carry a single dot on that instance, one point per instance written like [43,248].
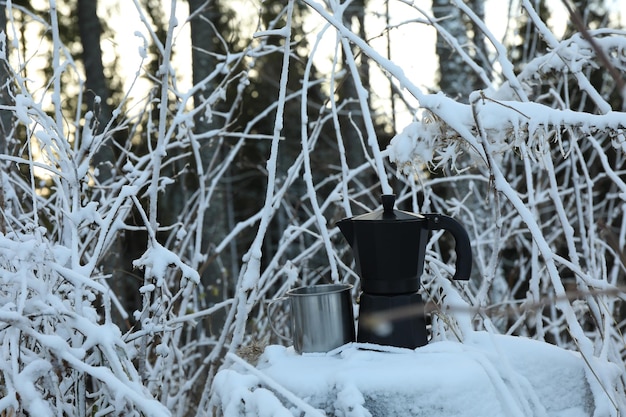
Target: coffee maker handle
[462,244]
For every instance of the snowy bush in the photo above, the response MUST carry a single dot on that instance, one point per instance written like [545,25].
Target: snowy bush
[59,354]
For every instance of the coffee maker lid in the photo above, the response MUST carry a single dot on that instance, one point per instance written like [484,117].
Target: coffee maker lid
[388,213]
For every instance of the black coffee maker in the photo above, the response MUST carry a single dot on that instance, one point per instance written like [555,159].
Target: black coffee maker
[389,247]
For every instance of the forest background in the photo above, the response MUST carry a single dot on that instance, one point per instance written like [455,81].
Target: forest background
[142,235]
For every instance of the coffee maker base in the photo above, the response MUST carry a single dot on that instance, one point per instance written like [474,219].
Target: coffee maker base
[392,320]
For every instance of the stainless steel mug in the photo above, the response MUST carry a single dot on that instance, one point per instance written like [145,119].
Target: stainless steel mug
[322,317]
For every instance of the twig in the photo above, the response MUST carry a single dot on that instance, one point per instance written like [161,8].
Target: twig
[375,320]
[271,383]
[578,22]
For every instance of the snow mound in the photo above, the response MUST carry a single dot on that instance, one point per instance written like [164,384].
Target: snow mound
[487,375]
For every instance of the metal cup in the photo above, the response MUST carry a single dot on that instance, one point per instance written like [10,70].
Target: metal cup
[322,317]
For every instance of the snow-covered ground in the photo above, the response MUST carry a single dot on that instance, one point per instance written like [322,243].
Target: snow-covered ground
[486,375]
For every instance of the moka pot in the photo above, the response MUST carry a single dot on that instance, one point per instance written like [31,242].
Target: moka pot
[389,247]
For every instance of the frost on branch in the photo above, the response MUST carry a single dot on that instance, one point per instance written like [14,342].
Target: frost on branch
[425,143]
[157,260]
[541,185]
[54,339]
[527,129]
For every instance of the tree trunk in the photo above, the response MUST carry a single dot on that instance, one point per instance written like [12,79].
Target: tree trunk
[204,18]
[117,260]
[6,116]
[97,92]
[453,71]
[354,18]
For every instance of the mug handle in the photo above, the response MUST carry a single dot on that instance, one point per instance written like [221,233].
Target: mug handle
[271,321]
[462,244]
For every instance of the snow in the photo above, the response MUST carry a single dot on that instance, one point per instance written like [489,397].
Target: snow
[159,259]
[415,144]
[486,375]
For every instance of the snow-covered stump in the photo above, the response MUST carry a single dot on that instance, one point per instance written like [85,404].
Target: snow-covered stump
[487,375]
